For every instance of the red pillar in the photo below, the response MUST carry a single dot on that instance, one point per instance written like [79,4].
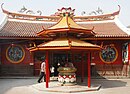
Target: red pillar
[82,78]
[128,67]
[47,69]
[128,53]
[89,71]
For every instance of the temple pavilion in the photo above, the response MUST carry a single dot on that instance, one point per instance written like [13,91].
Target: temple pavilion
[98,46]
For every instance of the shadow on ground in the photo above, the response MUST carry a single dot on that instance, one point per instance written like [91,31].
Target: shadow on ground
[105,83]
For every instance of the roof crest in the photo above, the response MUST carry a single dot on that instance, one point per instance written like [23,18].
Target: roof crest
[3,22]
[29,21]
[109,16]
[20,16]
[96,22]
[121,26]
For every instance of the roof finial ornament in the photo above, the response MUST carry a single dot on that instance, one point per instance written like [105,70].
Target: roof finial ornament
[66,12]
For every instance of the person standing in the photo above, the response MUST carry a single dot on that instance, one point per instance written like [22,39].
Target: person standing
[42,72]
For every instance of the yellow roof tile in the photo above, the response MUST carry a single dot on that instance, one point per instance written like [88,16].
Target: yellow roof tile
[66,22]
[65,42]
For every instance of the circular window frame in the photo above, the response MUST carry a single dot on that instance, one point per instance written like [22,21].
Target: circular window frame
[8,58]
[112,60]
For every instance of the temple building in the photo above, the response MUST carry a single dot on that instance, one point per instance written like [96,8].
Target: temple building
[100,40]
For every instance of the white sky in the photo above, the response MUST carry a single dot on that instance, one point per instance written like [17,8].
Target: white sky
[49,7]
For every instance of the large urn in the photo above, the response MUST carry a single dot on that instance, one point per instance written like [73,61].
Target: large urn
[67,75]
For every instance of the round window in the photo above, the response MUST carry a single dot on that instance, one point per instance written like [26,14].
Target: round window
[15,54]
[109,55]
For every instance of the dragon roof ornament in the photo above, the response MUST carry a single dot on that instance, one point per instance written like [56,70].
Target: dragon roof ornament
[61,13]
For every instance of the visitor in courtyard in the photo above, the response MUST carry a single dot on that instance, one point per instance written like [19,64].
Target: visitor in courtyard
[42,72]
[52,71]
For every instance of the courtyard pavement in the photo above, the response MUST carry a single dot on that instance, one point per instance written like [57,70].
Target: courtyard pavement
[29,85]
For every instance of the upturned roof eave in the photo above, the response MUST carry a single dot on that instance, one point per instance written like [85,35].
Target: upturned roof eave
[100,16]
[65,48]
[74,30]
[66,44]
[65,24]
[107,38]
[57,17]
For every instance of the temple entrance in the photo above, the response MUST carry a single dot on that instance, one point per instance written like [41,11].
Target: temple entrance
[79,61]
[59,60]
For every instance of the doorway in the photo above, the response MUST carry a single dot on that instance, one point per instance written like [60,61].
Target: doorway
[78,59]
[38,57]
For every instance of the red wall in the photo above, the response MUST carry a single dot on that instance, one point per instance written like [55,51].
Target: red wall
[96,58]
[27,59]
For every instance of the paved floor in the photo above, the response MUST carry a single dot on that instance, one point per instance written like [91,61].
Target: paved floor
[30,86]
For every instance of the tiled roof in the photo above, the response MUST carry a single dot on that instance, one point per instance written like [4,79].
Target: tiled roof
[29,29]
[66,43]
[108,29]
[66,23]
[22,29]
